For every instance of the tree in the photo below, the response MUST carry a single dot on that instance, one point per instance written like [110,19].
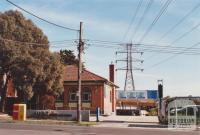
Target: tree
[25,58]
[68,57]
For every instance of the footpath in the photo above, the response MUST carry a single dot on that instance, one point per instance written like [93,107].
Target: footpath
[104,121]
[144,122]
[128,121]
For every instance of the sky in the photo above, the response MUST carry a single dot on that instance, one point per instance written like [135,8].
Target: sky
[109,20]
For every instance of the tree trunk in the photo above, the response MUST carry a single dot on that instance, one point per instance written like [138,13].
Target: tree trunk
[4,93]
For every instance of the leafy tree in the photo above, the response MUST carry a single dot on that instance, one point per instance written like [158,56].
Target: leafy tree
[25,58]
[68,57]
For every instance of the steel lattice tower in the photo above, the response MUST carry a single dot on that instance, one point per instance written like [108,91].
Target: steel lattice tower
[129,81]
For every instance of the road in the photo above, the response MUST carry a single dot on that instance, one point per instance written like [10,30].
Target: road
[34,129]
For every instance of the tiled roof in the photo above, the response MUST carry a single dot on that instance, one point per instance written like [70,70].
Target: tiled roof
[71,74]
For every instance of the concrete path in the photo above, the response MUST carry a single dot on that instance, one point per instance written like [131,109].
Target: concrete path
[128,121]
[5,116]
[132,119]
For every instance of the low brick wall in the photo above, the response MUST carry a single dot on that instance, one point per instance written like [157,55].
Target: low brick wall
[69,115]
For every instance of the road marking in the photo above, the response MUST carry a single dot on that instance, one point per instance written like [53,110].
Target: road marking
[21,130]
[87,134]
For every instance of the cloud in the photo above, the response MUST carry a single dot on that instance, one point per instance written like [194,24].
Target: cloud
[99,25]
[102,26]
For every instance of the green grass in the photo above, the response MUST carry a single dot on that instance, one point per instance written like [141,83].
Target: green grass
[86,123]
[49,122]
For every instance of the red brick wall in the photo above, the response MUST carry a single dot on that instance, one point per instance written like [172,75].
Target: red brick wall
[96,96]
[10,89]
[66,97]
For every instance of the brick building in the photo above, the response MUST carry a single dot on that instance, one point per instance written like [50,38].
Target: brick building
[96,90]
[11,92]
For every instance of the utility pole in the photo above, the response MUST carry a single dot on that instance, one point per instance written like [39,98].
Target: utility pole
[160,94]
[80,52]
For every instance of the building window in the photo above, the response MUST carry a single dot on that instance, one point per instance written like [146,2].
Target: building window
[72,96]
[86,95]
[60,98]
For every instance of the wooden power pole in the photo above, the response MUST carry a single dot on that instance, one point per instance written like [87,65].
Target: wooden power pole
[80,52]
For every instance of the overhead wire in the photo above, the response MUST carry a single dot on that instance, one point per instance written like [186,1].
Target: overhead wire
[161,12]
[105,41]
[22,42]
[173,56]
[181,36]
[102,46]
[176,25]
[111,43]
[40,18]
[64,41]
[153,48]
[142,18]
[186,33]
[172,51]
[179,22]
[133,19]
[161,46]
[96,40]
[37,44]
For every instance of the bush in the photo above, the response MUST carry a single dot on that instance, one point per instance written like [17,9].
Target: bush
[153,112]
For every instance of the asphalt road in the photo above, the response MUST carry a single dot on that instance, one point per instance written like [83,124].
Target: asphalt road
[34,129]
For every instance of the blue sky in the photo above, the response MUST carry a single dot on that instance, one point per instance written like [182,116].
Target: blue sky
[108,20]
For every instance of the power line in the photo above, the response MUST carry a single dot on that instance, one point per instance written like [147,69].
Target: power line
[142,18]
[64,41]
[168,49]
[29,43]
[102,46]
[179,22]
[186,33]
[70,41]
[163,9]
[172,52]
[57,25]
[142,47]
[105,42]
[160,46]
[62,46]
[154,48]
[173,56]
[175,26]
[93,41]
[133,18]
[181,36]
[36,44]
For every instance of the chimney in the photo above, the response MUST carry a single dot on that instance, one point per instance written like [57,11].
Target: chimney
[112,72]
[112,79]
